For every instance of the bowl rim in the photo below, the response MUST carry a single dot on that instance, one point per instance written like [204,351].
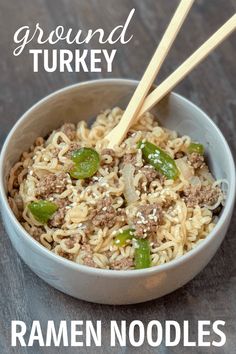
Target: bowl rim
[227,210]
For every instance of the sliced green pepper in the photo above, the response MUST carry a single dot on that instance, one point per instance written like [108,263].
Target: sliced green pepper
[196,147]
[142,258]
[86,163]
[123,237]
[42,210]
[159,159]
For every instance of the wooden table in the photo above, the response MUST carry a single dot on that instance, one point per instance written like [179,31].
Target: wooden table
[212,86]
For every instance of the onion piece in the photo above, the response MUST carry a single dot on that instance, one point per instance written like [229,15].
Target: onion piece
[130,193]
[186,170]
[195,181]
[205,173]
[41,172]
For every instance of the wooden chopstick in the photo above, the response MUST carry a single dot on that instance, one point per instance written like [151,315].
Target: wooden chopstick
[118,133]
[188,65]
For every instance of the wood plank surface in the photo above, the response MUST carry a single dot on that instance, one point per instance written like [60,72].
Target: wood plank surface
[212,86]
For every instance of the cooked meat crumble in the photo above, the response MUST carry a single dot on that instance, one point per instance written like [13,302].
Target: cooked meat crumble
[105,214]
[58,218]
[147,220]
[69,130]
[140,204]
[196,160]
[51,184]
[200,195]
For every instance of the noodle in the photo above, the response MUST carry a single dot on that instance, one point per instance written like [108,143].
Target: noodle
[72,233]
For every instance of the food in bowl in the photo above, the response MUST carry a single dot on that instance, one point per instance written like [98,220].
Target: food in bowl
[142,204]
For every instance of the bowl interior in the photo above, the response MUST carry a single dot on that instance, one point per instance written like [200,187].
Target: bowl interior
[84,101]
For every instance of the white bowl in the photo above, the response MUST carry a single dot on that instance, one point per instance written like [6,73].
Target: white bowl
[84,101]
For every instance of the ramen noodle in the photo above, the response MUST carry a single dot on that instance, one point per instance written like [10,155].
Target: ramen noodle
[143,203]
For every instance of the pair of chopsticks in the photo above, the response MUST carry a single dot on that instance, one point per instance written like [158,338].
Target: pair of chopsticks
[139,103]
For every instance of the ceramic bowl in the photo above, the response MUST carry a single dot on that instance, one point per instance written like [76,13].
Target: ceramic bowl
[84,101]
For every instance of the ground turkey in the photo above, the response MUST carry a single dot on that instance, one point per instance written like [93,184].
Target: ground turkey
[147,219]
[179,155]
[69,130]
[196,160]
[50,184]
[151,174]
[36,232]
[66,255]
[200,195]
[88,259]
[58,218]
[73,146]
[129,158]
[72,240]
[105,214]
[123,264]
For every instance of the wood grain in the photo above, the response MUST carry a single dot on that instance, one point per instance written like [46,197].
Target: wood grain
[188,65]
[211,295]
